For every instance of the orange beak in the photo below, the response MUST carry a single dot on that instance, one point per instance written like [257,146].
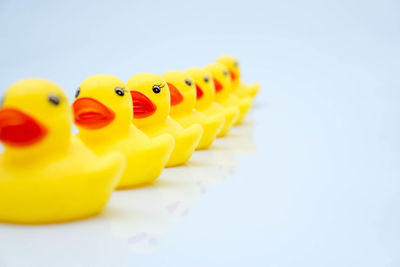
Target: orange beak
[199,92]
[91,114]
[176,96]
[19,129]
[142,105]
[233,75]
[218,85]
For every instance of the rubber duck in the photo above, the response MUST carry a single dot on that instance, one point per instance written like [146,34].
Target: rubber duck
[182,91]
[223,90]
[48,175]
[239,87]
[151,107]
[103,114]
[205,99]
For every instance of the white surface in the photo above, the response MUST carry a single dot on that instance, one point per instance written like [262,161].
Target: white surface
[312,179]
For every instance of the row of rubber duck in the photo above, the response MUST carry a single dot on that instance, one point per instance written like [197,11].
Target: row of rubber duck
[127,134]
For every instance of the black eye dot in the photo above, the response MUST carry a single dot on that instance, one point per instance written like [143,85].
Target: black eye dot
[156,89]
[78,91]
[236,64]
[188,82]
[53,99]
[206,79]
[225,73]
[1,101]
[119,91]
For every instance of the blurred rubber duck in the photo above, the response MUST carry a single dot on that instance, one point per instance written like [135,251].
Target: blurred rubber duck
[46,174]
[239,87]
[103,114]
[151,107]
[223,90]
[182,91]
[205,99]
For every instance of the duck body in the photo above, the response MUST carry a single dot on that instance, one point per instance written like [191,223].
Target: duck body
[146,157]
[47,175]
[186,139]
[151,105]
[205,93]
[231,114]
[41,192]
[243,103]
[243,90]
[211,124]
[224,94]
[183,100]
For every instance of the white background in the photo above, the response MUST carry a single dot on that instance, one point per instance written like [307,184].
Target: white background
[310,179]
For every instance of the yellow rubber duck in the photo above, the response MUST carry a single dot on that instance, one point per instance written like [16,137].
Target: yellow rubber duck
[182,90]
[223,90]
[205,99]
[151,106]
[239,87]
[103,114]
[46,174]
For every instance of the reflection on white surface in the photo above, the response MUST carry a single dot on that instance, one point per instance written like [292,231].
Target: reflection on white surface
[134,221]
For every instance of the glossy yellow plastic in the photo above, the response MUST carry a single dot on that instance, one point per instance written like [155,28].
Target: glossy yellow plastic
[239,88]
[184,112]
[57,178]
[155,89]
[146,157]
[223,89]
[206,104]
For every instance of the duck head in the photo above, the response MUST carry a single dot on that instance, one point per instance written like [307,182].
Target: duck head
[35,118]
[102,107]
[151,99]
[221,79]
[233,67]
[205,90]
[182,91]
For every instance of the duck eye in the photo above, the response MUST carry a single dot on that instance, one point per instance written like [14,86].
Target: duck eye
[53,99]
[236,64]
[225,73]
[1,101]
[156,89]
[188,82]
[119,91]
[206,79]
[78,91]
